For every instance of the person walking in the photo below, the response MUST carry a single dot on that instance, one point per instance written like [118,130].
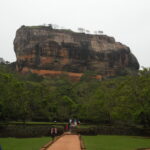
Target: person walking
[67,127]
[53,132]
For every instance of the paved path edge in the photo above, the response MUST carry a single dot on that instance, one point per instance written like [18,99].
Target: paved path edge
[51,142]
[82,145]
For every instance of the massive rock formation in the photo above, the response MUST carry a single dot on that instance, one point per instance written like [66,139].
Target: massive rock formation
[44,50]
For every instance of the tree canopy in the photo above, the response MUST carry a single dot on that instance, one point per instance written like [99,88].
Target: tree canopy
[122,100]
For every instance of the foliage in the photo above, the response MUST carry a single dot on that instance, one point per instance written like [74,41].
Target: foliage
[26,130]
[123,100]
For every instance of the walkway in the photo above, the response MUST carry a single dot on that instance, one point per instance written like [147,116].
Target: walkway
[66,142]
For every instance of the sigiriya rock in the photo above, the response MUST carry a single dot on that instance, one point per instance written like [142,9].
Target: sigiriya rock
[46,51]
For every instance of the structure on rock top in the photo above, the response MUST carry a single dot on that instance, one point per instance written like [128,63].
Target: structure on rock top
[48,51]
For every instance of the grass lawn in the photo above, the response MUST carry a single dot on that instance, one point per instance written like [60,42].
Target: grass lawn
[110,142]
[23,143]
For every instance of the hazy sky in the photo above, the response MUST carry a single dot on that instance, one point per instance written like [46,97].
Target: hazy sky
[127,20]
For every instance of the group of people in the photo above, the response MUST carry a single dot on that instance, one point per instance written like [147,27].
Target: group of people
[73,123]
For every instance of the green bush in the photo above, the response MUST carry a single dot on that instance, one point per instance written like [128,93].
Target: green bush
[27,130]
[113,130]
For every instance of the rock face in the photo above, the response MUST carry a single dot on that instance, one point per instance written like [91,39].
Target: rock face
[44,50]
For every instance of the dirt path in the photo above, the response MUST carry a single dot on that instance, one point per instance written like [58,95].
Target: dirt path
[67,142]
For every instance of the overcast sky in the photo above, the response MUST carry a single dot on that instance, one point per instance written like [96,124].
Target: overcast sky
[126,20]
